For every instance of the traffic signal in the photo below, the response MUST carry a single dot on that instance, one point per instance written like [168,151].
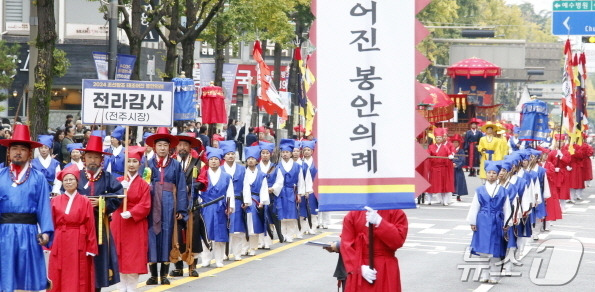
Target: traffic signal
[589,39]
[240,96]
[478,33]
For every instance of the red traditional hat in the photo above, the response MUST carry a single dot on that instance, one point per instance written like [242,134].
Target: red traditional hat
[557,137]
[194,143]
[457,137]
[475,120]
[543,150]
[20,135]
[136,152]
[162,134]
[95,144]
[299,128]
[72,169]
[440,132]
[259,129]
[218,137]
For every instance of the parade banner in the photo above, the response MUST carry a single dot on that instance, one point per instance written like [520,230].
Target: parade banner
[365,95]
[207,74]
[133,103]
[124,66]
[184,102]
[101,64]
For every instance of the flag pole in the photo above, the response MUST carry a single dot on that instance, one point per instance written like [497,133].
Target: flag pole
[126,175]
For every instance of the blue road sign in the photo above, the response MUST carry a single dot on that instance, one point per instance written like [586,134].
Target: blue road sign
[573,23]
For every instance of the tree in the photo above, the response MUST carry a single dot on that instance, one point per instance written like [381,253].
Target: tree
[198,16]
[8,67]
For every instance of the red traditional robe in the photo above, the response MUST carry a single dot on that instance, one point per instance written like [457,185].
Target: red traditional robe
[441,170]
[70,268]
[577,174]
[552,204]
[559,181]
[388,237]
[131,235]
[588,166]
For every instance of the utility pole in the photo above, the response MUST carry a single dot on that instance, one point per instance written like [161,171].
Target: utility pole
[113,38]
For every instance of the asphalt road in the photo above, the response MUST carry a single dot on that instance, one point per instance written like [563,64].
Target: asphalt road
[433,259]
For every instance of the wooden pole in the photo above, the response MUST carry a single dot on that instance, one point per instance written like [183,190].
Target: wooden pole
[126,175]
[371,245]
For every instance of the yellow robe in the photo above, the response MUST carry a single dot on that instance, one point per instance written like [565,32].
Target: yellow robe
[493,144]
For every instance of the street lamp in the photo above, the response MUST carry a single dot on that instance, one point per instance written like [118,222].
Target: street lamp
[15,93]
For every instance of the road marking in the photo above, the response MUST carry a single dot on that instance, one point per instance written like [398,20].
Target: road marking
[420,225]
[434,231]
[483,288]
[215,271]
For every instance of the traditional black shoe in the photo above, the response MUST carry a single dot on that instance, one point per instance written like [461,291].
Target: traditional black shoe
[176,273]
[164,281]
[152,281]
[193,273]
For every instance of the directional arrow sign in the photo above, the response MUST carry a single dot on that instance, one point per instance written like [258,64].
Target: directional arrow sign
[573,23]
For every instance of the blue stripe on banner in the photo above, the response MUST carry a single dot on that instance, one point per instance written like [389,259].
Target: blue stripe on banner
[357,201]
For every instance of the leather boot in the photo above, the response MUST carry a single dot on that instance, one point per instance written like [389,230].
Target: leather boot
[178,271]
[153,279]
[163,274]
[192,272]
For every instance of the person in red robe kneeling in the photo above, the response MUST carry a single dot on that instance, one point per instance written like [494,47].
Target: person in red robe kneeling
[75,241]
[130,227]
[390,232]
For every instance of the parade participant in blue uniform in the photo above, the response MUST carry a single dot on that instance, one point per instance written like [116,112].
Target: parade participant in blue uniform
[169,202]
[115,162]
[458,162]
[514,144]
[270,169]
[544,193]
[237,230]
[309,169]
[96,182]
[256,197]
[47,165]
[289,188]
[509,181]
[472,137]
[524,230]
[486,216]
[217,203]
[75,155]
[25,217]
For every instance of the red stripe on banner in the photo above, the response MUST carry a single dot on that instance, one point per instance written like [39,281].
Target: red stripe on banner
[421,4]
[421,62]
[421,32]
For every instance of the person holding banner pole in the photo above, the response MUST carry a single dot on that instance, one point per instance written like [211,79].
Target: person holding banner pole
[97,183]
[389,232]
[256,197]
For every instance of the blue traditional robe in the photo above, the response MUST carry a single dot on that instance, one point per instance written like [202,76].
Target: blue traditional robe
[540,210]
[512,193]
[50,172]
[523,229]
[490,220]
[460,181]
[22,264]
[160,240]
[237,217]
[271,177]
[107,259]
[258,221]
[116,162]
[312,201]
[470,144]
[285,202]
[214,214]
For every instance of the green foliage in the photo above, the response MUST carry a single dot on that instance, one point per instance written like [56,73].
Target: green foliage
[8,65]
[61,63]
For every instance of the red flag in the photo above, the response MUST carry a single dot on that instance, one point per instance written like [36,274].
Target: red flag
[268,97]
[568,89]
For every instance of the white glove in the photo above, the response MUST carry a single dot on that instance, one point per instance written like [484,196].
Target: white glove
[451,156]
[368,274]
[557,169]
[125,184]
[559,154]
[372,216]
[126,214]
[568,168]
[90,254]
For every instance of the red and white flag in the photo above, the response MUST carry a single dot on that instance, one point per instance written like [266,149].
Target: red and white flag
[268,97]
[568,89]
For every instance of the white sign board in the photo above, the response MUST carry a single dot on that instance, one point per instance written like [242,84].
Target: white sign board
[366,88]
[133,103]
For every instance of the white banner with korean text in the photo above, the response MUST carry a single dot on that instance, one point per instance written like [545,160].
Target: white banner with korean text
[133,103]
[365,78]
